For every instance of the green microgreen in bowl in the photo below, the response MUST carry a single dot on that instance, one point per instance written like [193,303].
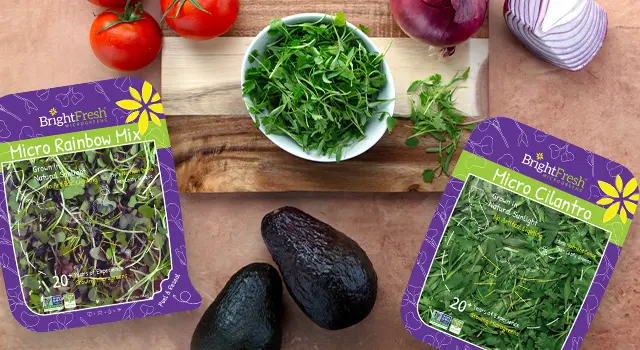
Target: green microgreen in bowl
[317,83]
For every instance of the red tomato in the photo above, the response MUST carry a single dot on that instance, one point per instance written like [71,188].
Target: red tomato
[111,3]
[129,45]
[193,23]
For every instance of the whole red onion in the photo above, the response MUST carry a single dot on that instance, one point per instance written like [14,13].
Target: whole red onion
[441,23]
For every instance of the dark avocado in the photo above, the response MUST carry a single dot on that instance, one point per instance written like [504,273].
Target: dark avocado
[246,315]
[327,273]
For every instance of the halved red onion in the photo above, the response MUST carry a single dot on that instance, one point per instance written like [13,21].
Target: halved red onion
[566,33]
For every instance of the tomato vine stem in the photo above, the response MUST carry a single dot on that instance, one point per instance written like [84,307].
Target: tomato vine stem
[129,15]
[180,4]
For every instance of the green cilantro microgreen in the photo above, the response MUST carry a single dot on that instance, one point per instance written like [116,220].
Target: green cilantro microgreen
[364,29]
[514,272]
[340,20]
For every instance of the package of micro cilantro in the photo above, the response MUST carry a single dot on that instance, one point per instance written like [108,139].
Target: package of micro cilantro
[522,245]
[90,223]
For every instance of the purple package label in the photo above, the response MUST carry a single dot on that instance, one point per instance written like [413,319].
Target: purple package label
[522,245]
[90,223]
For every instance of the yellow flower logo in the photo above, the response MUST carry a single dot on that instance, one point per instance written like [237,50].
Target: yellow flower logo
[623,198]
[143,106]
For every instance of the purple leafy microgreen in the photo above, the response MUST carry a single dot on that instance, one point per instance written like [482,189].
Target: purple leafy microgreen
[91,224]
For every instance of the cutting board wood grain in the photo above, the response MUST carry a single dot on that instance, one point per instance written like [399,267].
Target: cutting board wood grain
[217,148]
[248,162]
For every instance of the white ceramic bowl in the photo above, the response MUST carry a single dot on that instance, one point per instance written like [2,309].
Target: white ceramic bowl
[375,128]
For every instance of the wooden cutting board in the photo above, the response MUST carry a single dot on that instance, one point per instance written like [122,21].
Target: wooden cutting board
[217,148]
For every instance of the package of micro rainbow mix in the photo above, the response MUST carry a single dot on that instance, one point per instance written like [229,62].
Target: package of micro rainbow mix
[90,222]
[522,245]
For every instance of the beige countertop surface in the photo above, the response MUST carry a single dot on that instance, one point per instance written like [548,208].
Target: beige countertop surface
[45,44]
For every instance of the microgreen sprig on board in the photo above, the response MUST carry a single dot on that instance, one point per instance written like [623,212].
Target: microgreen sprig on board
[97,218]
[316,83]
[434,114]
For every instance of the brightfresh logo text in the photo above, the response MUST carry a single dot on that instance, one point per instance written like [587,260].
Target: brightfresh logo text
[74,119]
[555,173]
